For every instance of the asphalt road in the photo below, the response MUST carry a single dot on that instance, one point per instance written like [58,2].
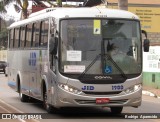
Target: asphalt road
[10,103]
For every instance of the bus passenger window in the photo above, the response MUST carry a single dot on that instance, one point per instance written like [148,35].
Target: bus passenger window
[22,37]
[25,36]
[44,34]
[19,37]
[36,34]
[12,33]
[29,33]
[16,42]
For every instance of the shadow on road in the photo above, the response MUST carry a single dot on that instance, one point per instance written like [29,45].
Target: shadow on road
[98,113]
[77,112]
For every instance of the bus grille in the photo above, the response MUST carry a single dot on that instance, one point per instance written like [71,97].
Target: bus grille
[102,93]
[94,102]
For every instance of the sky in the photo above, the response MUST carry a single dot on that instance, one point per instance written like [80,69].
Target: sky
[11,13]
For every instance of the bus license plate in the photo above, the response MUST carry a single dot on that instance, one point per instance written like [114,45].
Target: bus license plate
[102,100]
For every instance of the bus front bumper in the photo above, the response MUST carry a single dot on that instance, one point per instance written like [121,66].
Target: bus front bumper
[67,99]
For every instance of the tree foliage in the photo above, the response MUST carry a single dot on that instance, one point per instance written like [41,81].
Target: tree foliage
[2,7]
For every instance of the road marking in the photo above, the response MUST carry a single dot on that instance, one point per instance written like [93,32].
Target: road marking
[17,110]
[11,106]
[5,109]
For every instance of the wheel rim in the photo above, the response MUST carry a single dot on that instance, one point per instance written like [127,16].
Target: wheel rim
[20,94]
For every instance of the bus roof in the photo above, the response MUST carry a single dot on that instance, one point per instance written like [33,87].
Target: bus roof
[59,13]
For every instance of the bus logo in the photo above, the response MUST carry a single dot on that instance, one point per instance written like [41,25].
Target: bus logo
[102,77]
[88,88]
[32,59]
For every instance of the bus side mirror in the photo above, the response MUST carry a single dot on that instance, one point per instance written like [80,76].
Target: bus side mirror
[146,45]
[146,42]
[53,46]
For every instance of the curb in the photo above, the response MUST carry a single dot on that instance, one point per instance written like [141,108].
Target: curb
[148,93]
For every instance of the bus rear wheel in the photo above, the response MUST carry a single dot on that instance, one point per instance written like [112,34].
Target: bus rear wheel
[23,97]
[116,110]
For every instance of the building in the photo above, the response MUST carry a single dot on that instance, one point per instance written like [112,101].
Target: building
[149,13]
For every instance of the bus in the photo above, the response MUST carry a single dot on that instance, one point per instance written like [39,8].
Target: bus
[77,57]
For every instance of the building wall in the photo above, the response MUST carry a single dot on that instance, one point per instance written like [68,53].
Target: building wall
[149,14]
[151,79]
[151,67]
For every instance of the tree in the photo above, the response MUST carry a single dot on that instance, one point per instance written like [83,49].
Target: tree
[2,10]
[3,34]
[123,4]
[19,6]
[59,2]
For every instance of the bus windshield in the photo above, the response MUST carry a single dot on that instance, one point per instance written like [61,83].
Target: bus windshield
[82,40]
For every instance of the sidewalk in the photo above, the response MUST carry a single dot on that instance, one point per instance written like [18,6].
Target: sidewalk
[151,91]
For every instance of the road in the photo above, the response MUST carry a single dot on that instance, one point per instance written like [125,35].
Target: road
[10,103]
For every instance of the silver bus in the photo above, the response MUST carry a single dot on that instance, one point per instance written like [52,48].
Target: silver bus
[77,57]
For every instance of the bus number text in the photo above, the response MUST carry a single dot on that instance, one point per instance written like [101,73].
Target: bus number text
[117,87]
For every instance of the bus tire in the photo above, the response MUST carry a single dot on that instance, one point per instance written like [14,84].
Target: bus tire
[4,71]
[47,106]
[23,97]
[116,110]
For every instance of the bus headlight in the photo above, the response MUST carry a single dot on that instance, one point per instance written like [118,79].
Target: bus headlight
[133,89]
[69,89]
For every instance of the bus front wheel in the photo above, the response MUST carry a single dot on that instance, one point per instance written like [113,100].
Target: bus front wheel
[49,108]
[116,110]
[45,104]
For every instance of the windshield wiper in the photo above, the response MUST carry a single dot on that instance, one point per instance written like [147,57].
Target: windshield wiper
[89,66]
[115,64]
[95,59]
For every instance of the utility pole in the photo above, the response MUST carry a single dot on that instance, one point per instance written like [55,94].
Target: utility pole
[123,4]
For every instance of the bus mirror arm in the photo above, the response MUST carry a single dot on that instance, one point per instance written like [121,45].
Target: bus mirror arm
[145,33]
[146,42]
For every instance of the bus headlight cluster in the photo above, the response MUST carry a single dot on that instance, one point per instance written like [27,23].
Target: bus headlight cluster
[133,89]
[69,88]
